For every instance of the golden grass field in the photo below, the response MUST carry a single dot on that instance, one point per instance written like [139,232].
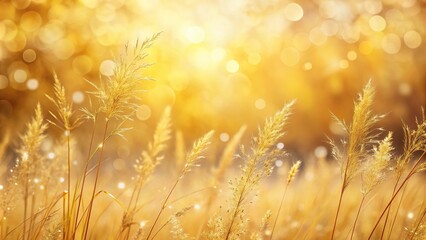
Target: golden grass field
[212,119]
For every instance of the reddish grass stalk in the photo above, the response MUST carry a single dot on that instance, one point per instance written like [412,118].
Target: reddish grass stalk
[388,211]
[397,210]
[340,202]
[86,228]
[410,174]
[357,215]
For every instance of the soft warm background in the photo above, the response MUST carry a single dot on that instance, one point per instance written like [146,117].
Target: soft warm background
[222,63]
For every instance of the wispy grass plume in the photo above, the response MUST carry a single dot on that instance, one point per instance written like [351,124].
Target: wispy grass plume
[375,170]
[192,158]
[360,137]
[258,164]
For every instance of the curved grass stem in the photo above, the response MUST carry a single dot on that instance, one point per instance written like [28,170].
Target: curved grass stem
[86,228]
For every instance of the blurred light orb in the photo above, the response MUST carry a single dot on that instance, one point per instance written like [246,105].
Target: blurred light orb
[29,55]
[4,82]
[343,64]
[77,97]
[404,89]
[123,151]
[51,155]
[1,187]
[278,163]
[197,206]
[179,83]
[64,49]
[143,113]
[373,6]
[408,3]
[329,27]
[280,145]
[391,43]
[377,23]
[260,103]
[106,12]
[18,43]
[30,21]
[290,57]
[20,76]
[118,164]
[320,152]
[194,34]
[21,4]
[232,66]
[254,58]
[412,39]
[50,33]
[352,55]
[317,37]
[32,84]
[293,12]
[107,68]
[121,185]
[90,3]
[224,137]
[350,34]
[10,30]
[327,9]
[218,54]
[82,64]
[307,66]
[410,215]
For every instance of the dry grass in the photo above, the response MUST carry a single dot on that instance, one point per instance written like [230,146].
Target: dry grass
[381,193]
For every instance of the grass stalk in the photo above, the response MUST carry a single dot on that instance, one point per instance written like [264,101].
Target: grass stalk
[342,190]
[397,211]
[357,216]
[410,174]
[278,213]
[389,209]
[163,206]
[25,205]
[32,219]
[86,166]
[419,223]
[86,228]
[68,133]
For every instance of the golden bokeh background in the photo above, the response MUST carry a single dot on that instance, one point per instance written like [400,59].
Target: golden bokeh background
[223,63]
